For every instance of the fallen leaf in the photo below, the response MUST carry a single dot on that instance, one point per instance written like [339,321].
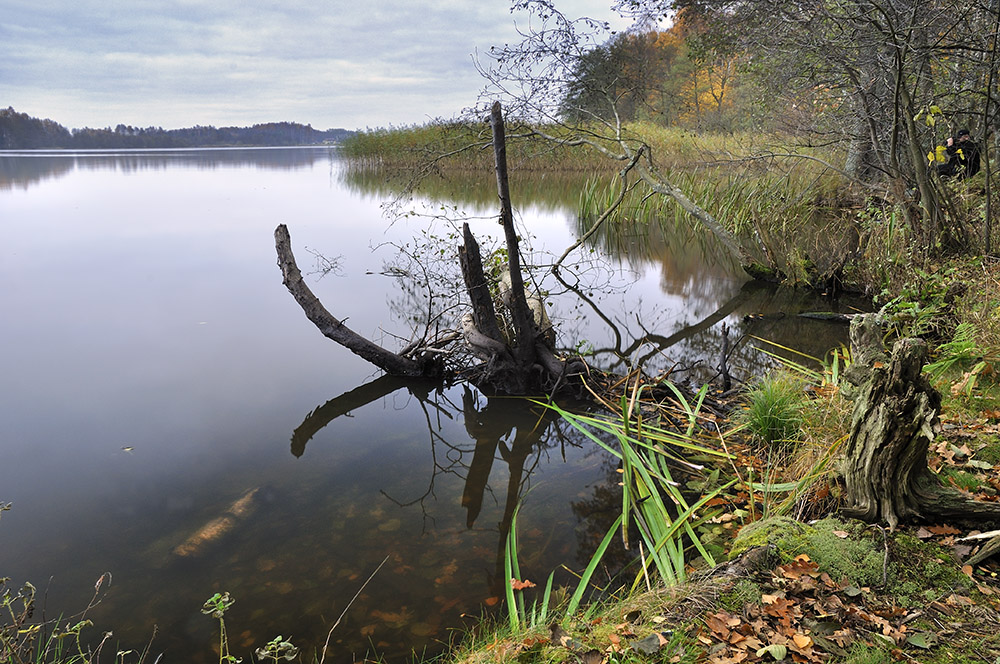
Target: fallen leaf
[803,641]
[592,656]
[922,640]
[945,530]
[651,644]
[967,570]
[718,624]
[561,637]
[491,601]
[842,534]
[521,585]
[775,650]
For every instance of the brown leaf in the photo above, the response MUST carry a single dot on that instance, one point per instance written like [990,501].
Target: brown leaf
[801,566]
[779,608]
[842,534]
[592,656]
[717,623]
[521,585]
[944,530]
[802,641]
[959,600]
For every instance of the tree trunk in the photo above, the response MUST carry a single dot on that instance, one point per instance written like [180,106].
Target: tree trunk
[885,468]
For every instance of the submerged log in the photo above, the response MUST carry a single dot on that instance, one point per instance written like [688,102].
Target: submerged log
[219,527]
[885,468]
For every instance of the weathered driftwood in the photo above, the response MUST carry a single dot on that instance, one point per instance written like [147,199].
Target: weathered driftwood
[524,328]
[329,325]
[519,362]
[885,459]
[213,531]
[483,312]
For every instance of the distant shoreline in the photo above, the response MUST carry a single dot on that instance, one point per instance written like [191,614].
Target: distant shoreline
[19,131]
[41,152]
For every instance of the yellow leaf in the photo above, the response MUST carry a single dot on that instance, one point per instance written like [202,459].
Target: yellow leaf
[936,110]
[930,120]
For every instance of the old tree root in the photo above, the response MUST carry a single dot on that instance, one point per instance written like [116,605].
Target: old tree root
[885,459]
[520,361]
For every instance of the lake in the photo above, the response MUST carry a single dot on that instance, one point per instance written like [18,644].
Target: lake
[171,417]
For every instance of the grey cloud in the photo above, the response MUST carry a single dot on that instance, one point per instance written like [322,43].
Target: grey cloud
[331,63]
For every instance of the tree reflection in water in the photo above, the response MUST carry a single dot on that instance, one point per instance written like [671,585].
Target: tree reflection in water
[513,431]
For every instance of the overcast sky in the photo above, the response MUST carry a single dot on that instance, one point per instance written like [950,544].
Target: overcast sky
[178,63]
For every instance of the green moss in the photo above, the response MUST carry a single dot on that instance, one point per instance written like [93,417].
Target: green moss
[961,479]
[766,531]
[925,566]
[744,592]
[990,450]
[914,571]
[858,558]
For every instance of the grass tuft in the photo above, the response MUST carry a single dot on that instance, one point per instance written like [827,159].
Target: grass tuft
[774,410]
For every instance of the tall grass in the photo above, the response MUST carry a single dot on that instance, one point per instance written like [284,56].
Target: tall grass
[773,412]
[652,502]
[467,147]
[790,217]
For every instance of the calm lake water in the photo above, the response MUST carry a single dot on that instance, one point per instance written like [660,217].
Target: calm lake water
[170,416]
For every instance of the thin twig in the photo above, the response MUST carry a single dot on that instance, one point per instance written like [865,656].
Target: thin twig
[322,659]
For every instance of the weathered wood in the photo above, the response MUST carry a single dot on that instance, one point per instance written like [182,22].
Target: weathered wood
[483,312]
[885,459]
[521,316]
[329,325]
[522,364]
[480,344]
[867,351]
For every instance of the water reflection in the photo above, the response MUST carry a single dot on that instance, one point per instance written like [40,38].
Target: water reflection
[182,345]
[21,170]
[512,431]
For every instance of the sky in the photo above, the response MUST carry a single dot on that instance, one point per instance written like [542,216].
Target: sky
[353,64]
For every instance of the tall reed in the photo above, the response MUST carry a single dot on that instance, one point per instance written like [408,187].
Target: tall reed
[652,501]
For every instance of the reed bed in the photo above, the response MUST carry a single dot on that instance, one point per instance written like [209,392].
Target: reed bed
[785,200]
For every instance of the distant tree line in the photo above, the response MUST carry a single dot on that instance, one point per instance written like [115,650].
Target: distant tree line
[19,131]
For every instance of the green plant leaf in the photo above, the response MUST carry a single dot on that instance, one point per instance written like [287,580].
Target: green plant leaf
[922,640]
[775,650]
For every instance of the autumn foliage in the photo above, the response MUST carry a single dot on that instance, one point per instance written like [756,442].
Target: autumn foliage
[671,77]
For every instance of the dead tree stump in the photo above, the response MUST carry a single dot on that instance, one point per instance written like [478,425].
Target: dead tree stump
[885,467]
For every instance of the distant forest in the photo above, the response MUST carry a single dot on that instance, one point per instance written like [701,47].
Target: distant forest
[19,131]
